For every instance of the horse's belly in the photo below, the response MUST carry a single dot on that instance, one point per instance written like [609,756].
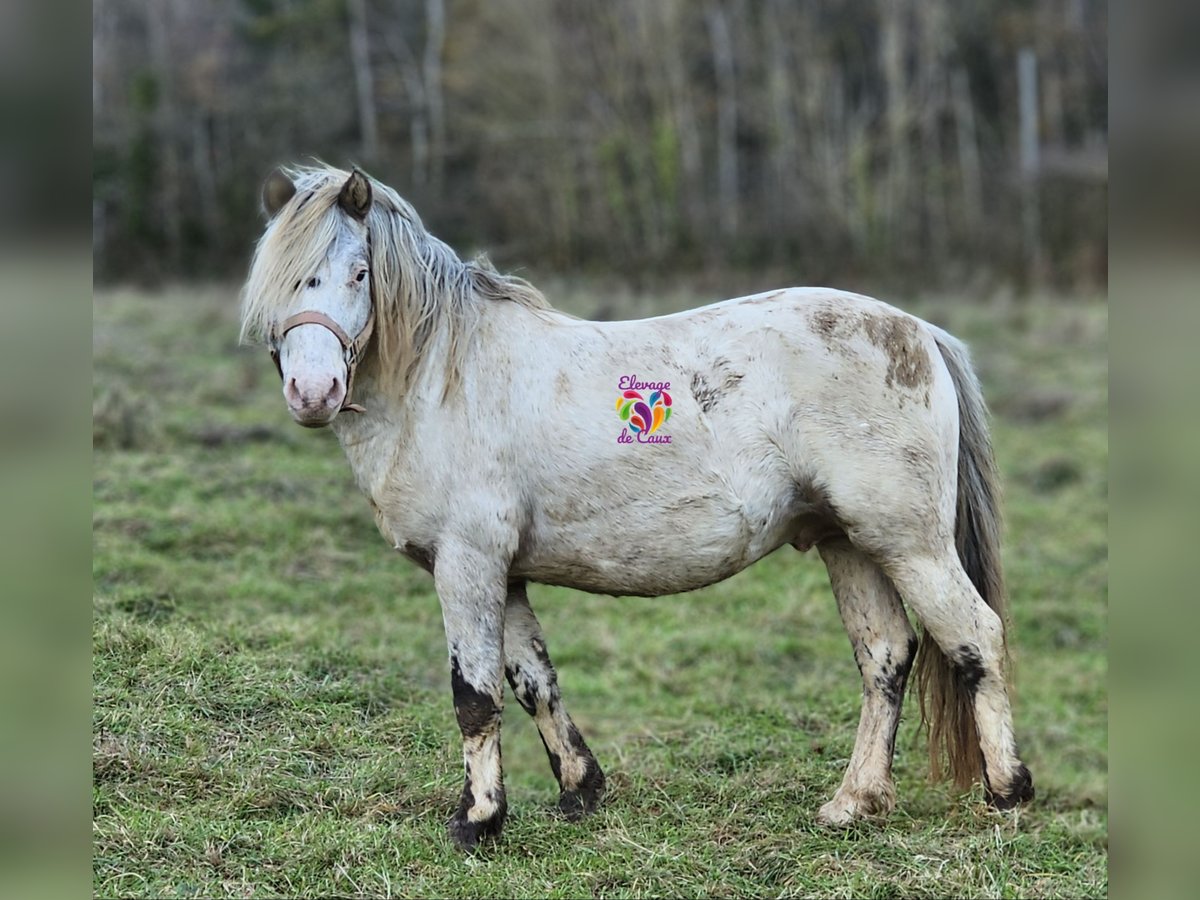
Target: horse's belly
[649,557]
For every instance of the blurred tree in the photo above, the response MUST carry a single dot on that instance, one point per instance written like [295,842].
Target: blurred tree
[826,139]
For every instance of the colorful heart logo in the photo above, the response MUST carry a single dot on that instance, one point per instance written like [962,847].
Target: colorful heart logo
[642,413]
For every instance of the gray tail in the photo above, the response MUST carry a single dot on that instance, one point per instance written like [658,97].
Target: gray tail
[947,709]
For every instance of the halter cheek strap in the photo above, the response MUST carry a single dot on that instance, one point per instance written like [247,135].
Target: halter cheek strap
[352,348]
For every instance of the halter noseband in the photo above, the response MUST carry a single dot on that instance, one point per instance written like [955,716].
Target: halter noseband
[352,349]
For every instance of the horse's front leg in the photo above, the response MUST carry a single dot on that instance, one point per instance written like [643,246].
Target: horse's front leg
[535,685]
[471,587]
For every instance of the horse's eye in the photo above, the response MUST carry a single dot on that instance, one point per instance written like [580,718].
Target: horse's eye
[314,282]
[361,275]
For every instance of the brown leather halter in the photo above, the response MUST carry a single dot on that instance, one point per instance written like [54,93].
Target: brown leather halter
[352,349]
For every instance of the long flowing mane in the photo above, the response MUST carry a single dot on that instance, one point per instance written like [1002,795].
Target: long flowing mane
[423,292]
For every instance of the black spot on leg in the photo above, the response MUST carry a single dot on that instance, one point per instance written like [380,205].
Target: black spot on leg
[467,799]
[477,712]
[466,834]
[523,689]
[893,676]
[584,797]
[885,683]
[893,690]
[555,762]
[970,667]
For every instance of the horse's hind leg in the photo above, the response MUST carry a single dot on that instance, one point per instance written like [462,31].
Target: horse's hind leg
[884,646]
[970,634]
[535,685]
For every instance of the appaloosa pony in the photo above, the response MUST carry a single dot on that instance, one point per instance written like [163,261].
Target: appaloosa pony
[500,442]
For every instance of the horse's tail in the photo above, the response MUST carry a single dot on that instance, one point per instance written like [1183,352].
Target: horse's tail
[947,708]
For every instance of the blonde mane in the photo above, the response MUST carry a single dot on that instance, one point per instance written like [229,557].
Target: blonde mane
[421,289]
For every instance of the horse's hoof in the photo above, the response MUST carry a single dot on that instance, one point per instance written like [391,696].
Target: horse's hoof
[574,805]
[846,808]
[1020,791]
[468,835]
[837,814]
[585,799]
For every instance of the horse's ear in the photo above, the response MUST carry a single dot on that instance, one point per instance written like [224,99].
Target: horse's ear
[277,190]
[355,197]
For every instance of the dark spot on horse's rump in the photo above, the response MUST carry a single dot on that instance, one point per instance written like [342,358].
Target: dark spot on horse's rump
[898,337]
[703,392]
[477,712]
[425,557]
[970,667]
[1019,791]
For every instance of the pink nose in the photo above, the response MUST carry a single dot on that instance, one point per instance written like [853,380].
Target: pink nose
[314,402]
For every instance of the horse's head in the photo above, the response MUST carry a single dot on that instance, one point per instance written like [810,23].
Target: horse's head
[318,338]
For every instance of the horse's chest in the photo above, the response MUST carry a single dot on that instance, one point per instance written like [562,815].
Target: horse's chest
[405,536]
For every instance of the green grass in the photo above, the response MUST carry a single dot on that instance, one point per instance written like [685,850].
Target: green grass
[272,712]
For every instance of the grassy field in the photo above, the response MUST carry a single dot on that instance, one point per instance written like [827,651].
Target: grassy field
[272,711]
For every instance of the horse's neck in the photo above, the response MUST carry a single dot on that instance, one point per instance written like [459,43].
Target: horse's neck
[398,431]
[376,441]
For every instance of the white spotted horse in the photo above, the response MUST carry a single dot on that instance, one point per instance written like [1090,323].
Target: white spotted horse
[806,416]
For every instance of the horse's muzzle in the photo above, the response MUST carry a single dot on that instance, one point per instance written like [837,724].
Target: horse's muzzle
[314,405]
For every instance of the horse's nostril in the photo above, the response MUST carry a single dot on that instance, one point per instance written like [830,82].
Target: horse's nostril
[334,390]
[290,391]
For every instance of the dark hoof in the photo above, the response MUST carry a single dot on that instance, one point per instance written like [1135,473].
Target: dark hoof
[1021,791]
[586,799]
[467,835]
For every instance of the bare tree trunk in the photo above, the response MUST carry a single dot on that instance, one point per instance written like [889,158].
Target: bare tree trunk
[727,162]
[969,168]
[166,123]
[360,58]
[684,116]
[1027,87]
[892,16]
[414,86]
[782,195]
[435,40]
[206,182]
